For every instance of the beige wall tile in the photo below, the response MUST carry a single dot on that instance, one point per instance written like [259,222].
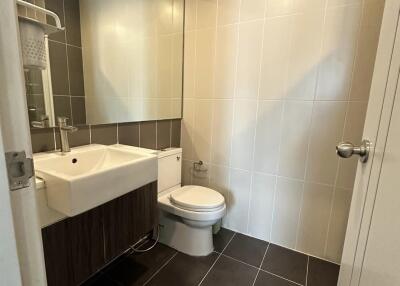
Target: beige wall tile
[340,38]
[268,133]
[225,66]
[243,134]
[248,66]
[252,9]
[189,68]
[239,200]
[275,58]
[280,7]
[305,55]
[314,218]
[366,52]
[187,169]
[228,11]
[205,54]
[219,181]
[286,211]
[332,3]
[206,14]
[294,139]
[202,130]
[190,14]
[222,132]
[326,131]
[338,224]
[261,206]
[187,129]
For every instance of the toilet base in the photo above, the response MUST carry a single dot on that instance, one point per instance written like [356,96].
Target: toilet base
[194,241]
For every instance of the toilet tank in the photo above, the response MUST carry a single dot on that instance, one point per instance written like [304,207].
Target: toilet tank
[169,168]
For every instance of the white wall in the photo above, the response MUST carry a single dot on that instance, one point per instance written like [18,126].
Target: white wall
[270,87]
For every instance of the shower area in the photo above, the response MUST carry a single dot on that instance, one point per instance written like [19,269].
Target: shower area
[270,88]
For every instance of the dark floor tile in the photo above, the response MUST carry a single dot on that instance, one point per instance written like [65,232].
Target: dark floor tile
[322,273]
[184,270]
[228,271]
[266,279]
[287,263]
[137,268]
[247,249]
[99,280]
[222,238]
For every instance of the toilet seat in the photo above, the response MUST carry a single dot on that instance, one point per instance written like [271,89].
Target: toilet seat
[197,199]
[165,204]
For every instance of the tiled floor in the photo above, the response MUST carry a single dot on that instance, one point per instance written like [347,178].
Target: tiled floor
[237,260]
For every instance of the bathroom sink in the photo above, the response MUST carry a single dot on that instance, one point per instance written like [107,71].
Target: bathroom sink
[91,175]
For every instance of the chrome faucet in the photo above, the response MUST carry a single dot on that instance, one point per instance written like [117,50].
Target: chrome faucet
[64,129]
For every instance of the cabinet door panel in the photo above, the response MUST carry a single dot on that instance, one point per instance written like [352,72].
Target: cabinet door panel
[128,218]
[73,248]
[56,254]
[86,240]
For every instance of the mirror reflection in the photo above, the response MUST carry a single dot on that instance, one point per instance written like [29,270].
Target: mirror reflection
[116,61]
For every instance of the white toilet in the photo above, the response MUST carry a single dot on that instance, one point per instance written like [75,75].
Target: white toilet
[187,213]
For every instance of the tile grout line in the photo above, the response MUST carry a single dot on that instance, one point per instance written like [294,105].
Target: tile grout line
[262,261]
[233,116]
[260,69]
[281,277]
[260,269]
[308,262]
[209,270]
[162,266]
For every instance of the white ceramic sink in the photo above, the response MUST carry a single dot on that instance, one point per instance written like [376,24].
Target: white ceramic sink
[92,175]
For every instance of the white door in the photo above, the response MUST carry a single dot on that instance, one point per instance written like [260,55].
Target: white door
[371,255]
[15,138]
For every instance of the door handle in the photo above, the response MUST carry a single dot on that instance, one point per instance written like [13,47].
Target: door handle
[347,149]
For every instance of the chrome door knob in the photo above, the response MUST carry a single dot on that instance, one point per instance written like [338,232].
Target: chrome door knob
[347,149]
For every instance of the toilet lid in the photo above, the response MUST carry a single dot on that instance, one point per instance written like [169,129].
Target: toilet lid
[197,198]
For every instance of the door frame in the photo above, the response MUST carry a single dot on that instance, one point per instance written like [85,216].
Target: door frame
[381,101]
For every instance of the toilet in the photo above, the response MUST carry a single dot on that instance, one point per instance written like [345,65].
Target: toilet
[187,213]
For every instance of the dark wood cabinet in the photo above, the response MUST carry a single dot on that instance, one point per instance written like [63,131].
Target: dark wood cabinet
[73,248]
[77,247]
[127,218]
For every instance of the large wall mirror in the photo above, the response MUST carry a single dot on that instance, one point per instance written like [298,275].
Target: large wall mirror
[116,61]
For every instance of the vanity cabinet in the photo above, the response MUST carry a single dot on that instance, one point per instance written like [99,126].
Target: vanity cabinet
[127,218]
[77,247]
